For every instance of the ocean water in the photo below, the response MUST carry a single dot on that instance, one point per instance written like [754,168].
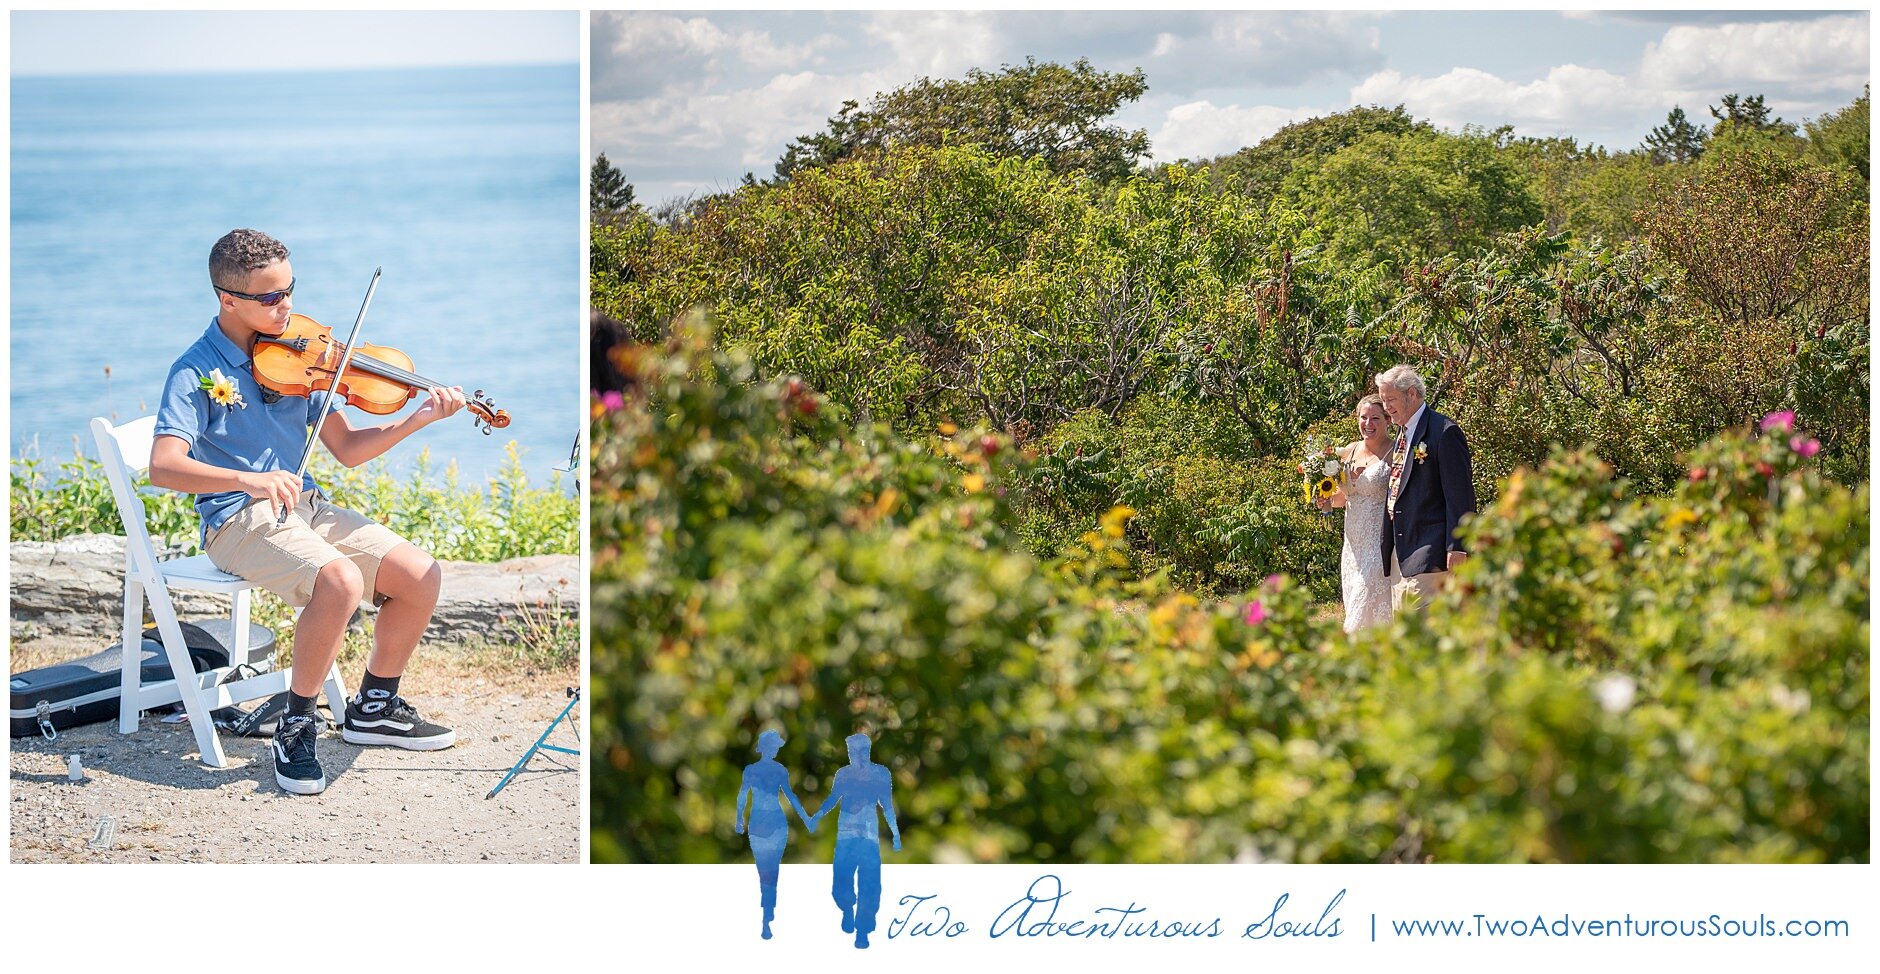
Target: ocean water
[463,183]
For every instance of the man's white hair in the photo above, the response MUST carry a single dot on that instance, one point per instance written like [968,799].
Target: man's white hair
[1403,378]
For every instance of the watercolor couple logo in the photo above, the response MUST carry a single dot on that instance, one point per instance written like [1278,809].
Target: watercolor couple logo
[860,789]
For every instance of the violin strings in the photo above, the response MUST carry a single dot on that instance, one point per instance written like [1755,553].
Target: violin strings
[390,371]
[393,372]
[377,367]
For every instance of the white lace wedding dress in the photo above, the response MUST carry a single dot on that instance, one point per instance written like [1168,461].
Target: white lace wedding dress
[1366,590]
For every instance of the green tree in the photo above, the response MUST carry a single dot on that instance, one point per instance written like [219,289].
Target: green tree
[609,193]
[1601,198]
[1582,187]
[1259,170]
[1677,140]
[1761,238]
[1400,199]
[1749,112]
[1777,249]
[1843,139]
[1041,110]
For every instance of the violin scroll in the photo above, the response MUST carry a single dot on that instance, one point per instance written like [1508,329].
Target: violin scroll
[486,416]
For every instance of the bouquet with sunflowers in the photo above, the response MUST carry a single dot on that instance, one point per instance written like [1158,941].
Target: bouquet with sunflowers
[1321,469]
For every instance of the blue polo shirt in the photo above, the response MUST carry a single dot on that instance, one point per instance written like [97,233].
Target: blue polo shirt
[257,437]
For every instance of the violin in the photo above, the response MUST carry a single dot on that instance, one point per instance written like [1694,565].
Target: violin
[302,359]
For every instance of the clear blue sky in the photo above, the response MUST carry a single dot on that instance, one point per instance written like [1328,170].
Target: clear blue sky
[689,102]
[140,42]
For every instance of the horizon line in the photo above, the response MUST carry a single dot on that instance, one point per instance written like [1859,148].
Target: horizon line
[227,72]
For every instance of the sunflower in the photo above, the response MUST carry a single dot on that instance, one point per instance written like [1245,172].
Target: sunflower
[1327,486]
[222,389]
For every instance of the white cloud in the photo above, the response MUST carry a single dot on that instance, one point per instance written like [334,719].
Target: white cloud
[1804,66]
[1692,16]
[1203,130]
[634,52]
[937,43]
[1567,95]
[730,123]
[641,33]
[1264,47]
[1811,55]
[702,137]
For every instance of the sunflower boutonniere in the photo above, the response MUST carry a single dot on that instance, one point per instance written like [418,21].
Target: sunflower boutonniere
[1422,452]
[222,390]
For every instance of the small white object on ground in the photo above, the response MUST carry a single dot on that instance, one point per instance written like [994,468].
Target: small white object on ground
[106,836]
[73,770]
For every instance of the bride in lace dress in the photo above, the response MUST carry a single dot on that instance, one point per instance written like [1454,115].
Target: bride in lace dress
[1366,590]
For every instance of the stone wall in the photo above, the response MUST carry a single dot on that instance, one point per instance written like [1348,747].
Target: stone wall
[74,588]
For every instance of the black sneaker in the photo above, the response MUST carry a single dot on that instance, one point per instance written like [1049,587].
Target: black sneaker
[396,725]
[296,770]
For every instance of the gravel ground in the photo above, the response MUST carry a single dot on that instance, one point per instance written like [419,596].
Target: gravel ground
[380,805]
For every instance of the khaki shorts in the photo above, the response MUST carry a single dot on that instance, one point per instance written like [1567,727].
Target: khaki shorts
[285,558]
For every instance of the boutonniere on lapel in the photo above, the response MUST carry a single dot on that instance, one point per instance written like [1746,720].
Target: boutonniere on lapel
[222,389]
[1422,452]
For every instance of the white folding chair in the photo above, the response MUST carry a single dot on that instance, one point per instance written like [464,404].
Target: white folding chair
[125,452]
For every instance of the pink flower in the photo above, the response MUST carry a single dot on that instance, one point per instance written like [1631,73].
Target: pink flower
[1274,581]
[1807,447]
[1781,420]
[1256,613]
[612,400]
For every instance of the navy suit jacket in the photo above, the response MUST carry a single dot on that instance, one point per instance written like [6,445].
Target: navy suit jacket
[1421,526]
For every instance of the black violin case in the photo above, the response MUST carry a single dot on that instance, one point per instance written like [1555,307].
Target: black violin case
[86,691]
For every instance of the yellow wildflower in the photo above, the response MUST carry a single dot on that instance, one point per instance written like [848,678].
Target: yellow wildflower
[1117,517]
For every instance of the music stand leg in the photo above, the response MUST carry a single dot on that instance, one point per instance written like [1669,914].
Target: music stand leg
[541,744]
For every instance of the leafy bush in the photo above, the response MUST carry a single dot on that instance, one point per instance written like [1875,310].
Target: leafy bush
[1612,677]
[506,518]
[1212,511]
[77,500]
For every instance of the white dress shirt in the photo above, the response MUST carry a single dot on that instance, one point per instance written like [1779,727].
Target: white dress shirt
[1410,428]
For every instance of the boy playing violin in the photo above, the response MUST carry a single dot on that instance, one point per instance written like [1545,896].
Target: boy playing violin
[234,445]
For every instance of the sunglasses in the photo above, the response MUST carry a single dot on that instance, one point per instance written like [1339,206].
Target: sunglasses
[267,300]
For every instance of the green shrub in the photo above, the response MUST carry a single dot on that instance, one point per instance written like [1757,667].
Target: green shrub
[77,500]
[1212,511]
[505,518]
[1612,676]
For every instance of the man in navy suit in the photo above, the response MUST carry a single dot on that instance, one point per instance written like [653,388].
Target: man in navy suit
[1430,491]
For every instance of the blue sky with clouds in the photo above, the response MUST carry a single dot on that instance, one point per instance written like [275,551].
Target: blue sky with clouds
[689,102]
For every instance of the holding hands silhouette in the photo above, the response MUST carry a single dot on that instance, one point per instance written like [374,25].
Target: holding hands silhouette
[765,782]
[863,792]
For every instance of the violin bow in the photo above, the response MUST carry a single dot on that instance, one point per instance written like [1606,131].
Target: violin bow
[352,342]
